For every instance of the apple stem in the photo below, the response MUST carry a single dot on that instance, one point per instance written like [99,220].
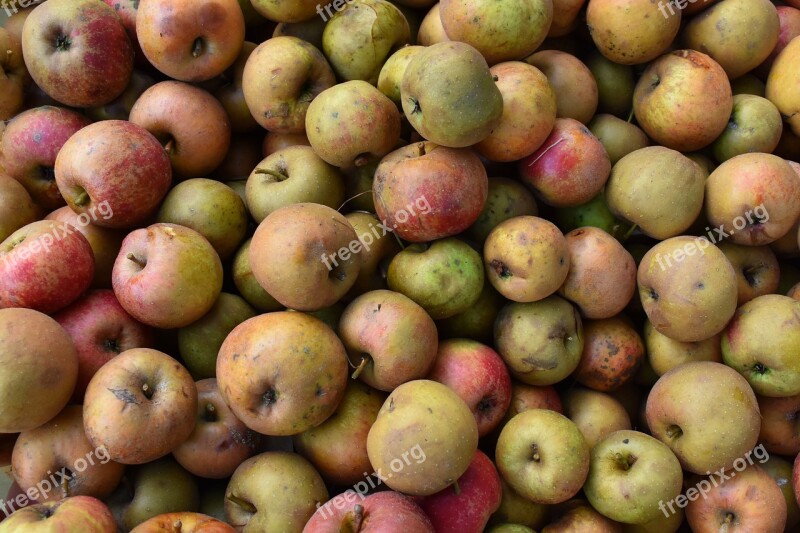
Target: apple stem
[64,487]
[456,487]
[136,260]
[629,232]
[177,527]
[358,519]
[630,115]
[274,173]
[360,368]
[170,146]
[247,506]
[211,412]
[353,198]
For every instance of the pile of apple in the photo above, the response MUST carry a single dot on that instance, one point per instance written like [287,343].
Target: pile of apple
[400,266]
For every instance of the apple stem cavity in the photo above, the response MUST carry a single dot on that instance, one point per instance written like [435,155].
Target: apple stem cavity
[625,461]
[535,457]
[210,414]
[361,366]
[141,262]
[674,432]
[274,173]
[244,504]
[82,199]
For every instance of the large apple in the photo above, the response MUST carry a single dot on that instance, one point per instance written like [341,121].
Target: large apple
[382,511]
[76,514]
[36,355]
[116,167]
[78,51]
[188,40]
[140,406]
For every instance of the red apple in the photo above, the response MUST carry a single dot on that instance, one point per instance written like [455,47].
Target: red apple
[377,513]
[77,514]
[44,266]
[114,167]
[77,51]
[100,329]
[479,376]
[466,509]
[29,147]
[183,522]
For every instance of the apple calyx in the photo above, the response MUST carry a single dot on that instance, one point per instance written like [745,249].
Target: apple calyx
[270,397]
[210,413]
[416,108]
[501,269]
[674,432]
[535,457]
[244,504]
[63,43]
[760,369]
[112,345]
[624,460]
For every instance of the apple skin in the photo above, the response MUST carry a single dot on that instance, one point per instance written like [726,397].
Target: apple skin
[114,166]
[467,510]
[596,414]
[141,405]
[76,514]
[190,41]
[167,276]
[105,243]
[780,429]
[572,81]
[752,501]
[220,442]
[183,522]
[265,384]
[285,10]
[191,124]
[29,146]
[37,355]
[100,329]
[613,352]
[44,266]
[78,52]
[389,337]
[379,512]
[273,491]
[692,409]
[59,446]
[16,206]
[338,446]
[439,191]
[683,100]
[479,376]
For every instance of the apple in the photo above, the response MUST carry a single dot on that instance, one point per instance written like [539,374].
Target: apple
[578,515]
[469,508]
[382,511]
[664,353]
[394,68]
[78,52]
[478,375]
[76,514]
[425,192]
[390,339]
[596,414]
[614,85]
[60,446]
[683,99]
[288,10]
[279,97]
[29,146]
[758,343]
[167,275]
[779,424]
[183,522]
[602,273]
[37,355]
[189,122]
[320,258]
[613,352]
[140,406]
[100,329]
[630,474]
[572,81]
[706,413]
[116,167]
[757,270]
[526,258]
[14,74]
[543,456]
[617,136]
[265,384]
[16,206]
[541,342]
[44,266]
[220,442]
[755,126]
[780,469]
[273,491]
[246,283]
[416,414]
[190,41]
[338,447]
